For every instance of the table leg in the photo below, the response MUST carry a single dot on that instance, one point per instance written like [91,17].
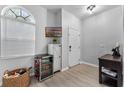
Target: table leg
[120,79]
[100,75]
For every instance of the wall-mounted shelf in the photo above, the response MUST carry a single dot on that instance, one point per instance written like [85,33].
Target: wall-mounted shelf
[53,31]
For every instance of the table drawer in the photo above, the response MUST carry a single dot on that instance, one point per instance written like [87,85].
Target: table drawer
[110,64]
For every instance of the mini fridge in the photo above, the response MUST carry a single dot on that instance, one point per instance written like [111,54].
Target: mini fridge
[56,51]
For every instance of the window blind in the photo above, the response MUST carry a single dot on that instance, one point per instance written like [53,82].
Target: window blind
[17,38]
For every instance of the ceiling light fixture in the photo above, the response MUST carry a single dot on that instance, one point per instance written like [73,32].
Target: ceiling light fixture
[90,8]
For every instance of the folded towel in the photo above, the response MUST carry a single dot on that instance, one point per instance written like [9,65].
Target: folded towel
[109,72]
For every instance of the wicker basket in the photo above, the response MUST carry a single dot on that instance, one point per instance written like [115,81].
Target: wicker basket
[20,81]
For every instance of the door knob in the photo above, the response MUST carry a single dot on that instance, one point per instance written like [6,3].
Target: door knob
[70,48]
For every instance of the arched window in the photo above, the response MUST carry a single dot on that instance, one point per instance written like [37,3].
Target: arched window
[17,32]
[18,13]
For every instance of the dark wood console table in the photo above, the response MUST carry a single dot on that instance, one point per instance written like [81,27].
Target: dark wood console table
[113,64]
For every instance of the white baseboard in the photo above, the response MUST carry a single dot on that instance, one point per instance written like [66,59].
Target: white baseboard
[81,62]
[87,63]
[64,69]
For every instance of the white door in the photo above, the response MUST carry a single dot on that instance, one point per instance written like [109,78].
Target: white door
[74,47]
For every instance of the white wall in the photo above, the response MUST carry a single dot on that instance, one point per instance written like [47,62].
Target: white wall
[58,16]
[68,20]
[100,33]
[51,19]
[54,20]
[40,15]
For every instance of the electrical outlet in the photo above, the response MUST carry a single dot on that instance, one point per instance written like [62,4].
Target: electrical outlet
[102,46]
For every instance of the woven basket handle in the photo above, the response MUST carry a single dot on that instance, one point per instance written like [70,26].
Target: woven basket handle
[6,71]
[29,68]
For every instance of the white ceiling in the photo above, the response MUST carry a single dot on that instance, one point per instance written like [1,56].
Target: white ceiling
[79,10]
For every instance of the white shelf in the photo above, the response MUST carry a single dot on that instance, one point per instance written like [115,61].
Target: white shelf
[16,56]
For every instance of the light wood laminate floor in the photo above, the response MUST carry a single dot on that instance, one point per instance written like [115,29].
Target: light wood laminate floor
[78,76]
